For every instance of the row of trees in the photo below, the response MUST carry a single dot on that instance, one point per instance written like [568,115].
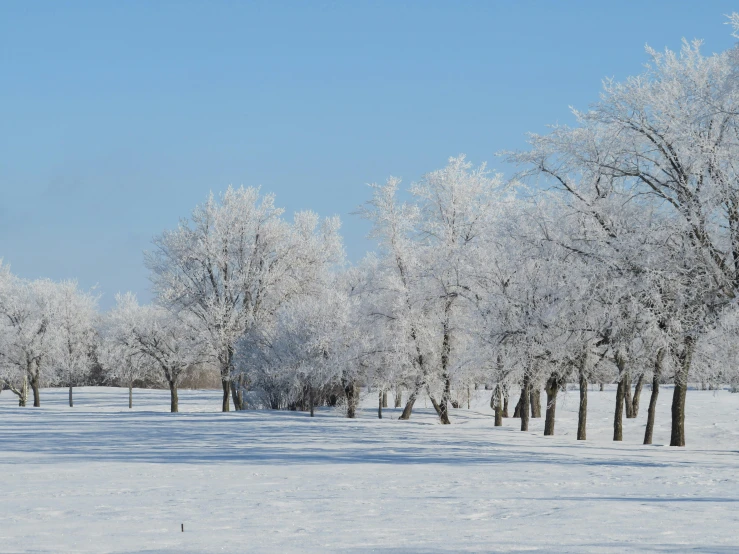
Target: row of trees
[613,256]
[43,325]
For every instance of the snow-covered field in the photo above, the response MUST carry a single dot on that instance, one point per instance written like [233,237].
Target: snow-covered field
[101,478]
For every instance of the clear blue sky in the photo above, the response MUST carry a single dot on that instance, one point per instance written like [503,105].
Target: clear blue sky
[117,118]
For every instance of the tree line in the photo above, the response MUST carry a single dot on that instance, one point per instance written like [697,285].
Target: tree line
[612,256]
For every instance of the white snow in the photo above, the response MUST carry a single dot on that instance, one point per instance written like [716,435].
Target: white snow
[101,478]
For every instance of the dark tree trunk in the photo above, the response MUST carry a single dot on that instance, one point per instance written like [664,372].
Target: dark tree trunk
[23,396]
[677,436]
[174,404]
[552,387]
[311,400]
[602,387]
[446,348]
[535,403]
[582,414]
[628,402]
[651,411]
[226,367]
[442,409]
[379,403]
[505,401]
[637,395]
[226,407]
[235,395]
[496,403]
[409,405]
[519,404]
[398,397]
[36,391]
[71,398]
[618,430]
[350,390]
[130,394]
[384,399]
[525,403]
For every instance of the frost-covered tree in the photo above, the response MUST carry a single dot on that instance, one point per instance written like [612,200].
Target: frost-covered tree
[75,330]
[234,262]
[311,348]
[123,360]
[428,251]
[27,338]
[661,145]
[169,341]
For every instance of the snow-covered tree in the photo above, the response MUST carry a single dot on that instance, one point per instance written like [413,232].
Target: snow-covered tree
[661,145]
[169,341]
[75,333]
[429,249]
[234,262]
[123,360]
[27,338]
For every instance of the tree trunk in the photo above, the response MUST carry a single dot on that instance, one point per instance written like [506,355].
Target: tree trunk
[409,406]
[519,404]
[23,397]
[552,387]
[582,414]
[442,408]
[36,391]
[505,401]
[535,403]
[410,402]
[637,395]
[653,398]
[628,402]
[226,392]
[602,387]
[384,399]
[398,397]
[446,348]
[71,399]
[235,395]
[525,403]
[350,390]
[677,436]
[379,404]
[174,403]
[130,394]
[496,403]
[618,430]
[311,400]
[226,365]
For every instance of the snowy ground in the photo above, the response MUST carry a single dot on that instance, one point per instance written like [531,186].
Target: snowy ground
[101,478]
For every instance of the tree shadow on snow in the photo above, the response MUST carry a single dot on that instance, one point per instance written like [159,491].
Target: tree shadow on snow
[270,437]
